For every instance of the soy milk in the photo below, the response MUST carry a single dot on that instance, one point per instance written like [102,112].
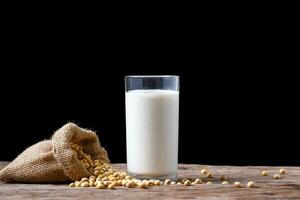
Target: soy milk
[152,132]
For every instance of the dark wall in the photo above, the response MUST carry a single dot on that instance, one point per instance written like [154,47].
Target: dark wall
[237,98]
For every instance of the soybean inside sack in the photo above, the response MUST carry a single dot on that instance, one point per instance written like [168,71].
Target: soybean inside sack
[53,161]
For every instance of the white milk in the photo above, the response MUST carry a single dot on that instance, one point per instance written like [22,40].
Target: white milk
[152,132]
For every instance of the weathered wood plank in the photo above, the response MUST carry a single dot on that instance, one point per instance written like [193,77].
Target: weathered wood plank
[268,188]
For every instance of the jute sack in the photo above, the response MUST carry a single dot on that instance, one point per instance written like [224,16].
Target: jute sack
[52,161]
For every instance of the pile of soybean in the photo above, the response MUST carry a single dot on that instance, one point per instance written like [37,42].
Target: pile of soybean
[105,177]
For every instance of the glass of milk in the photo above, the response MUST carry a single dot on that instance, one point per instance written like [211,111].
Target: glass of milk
[152,109]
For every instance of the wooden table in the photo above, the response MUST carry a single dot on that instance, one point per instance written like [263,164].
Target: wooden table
[287,187]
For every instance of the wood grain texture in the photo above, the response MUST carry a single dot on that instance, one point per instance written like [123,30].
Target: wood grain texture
[267,188]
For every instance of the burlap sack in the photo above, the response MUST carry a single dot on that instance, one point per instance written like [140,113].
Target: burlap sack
[52,161]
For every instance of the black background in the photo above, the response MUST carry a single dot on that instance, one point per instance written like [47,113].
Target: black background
[238,96]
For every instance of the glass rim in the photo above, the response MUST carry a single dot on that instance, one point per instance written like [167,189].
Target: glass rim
[152,76]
